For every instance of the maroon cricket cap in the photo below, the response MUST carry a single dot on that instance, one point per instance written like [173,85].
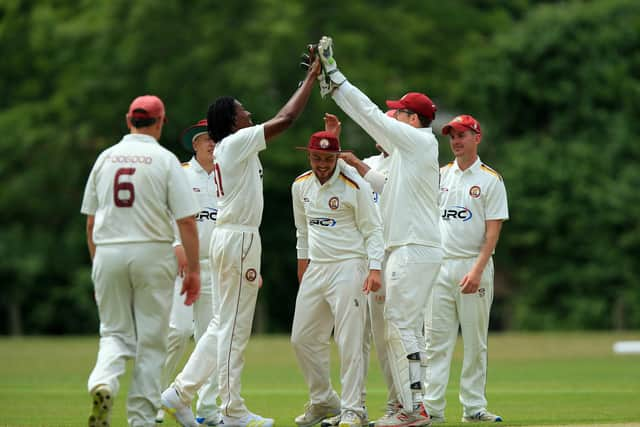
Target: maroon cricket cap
[147,107]
[462,123]
[323,141]
[416,102]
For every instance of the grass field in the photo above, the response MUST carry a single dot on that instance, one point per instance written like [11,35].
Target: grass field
[534,379]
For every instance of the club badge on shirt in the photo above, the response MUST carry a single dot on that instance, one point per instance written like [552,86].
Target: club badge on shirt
[334,203]
[475,191]
[251,274]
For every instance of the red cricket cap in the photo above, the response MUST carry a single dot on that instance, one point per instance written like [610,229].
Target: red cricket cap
[462,123]
[416,102]
[147,107]
[323,141]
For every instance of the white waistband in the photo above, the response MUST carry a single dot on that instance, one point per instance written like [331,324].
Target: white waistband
[236,227]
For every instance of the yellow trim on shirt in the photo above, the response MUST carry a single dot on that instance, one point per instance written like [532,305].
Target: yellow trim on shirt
[303,176]
[491,171]
[186,165]
[349,181]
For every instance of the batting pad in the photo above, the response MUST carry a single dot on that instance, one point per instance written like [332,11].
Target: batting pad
[399,366]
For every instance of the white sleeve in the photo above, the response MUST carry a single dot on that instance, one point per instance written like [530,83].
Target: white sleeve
[182,202]
[376,180]
[90,198]
[245,142]
[369,223]
[496,203]
[386,131]
[299,217]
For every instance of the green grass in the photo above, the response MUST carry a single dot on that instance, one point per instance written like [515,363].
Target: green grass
[534,379]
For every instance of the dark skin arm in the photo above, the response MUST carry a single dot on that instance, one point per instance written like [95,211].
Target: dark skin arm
[293,108]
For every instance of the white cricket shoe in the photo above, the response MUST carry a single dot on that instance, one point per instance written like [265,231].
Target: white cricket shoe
[483,416]
[160,416]
[211,421]
[173,405]
[102,404]
[417,418]
[335,421]
[315,413]
[249,420]
[350,419]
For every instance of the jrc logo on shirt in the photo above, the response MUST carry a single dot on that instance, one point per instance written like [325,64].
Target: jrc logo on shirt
[457,212]
[325,222]
[207,214]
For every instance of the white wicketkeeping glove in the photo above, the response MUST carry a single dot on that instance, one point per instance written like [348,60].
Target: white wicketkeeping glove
[329,65]
[326,85]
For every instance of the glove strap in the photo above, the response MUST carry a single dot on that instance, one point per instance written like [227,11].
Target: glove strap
[336,77]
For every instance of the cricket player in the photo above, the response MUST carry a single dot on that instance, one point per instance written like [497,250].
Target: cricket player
[186,320]
[340,252]
[409,208]
[235,254]
[134,190]
[374,170]
[473,203]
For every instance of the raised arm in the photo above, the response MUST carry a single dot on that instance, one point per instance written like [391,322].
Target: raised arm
[292,109]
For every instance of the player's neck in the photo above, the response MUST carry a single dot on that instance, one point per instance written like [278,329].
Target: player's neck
[465,162]
[205,164]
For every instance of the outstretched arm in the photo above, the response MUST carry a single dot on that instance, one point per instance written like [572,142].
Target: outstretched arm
[292,109]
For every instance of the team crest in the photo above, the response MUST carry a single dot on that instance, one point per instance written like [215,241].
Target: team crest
[324,143]
[251,274]
[474,191]
[334,203]
[482,292]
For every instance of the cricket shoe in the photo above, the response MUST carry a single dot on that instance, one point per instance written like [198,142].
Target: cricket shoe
[316,412]
[160,416]
[483,416]
[335,421]
[102,404]
[249,420]
[212,421]
[350,419]
[174,406]
[419,417]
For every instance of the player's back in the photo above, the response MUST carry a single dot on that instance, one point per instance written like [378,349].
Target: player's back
[134,187]
[238,174]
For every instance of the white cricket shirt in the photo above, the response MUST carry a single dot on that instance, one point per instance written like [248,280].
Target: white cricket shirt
[467,199]
[238,174]
[338,220]
[378,174]
[410,203]
[204,189]
[134,190]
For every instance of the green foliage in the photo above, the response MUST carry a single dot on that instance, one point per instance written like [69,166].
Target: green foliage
[70,69]
[559,93]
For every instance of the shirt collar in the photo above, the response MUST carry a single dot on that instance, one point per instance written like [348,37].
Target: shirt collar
[196,165]
[473,168]
[141,137]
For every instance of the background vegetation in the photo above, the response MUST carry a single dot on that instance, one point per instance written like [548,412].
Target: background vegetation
[556,85]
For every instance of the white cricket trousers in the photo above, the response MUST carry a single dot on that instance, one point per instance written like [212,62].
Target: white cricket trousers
[235,261]
[331,298]
[448,310]
[193,320]
[375,330]
[409,275]
[133,289]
